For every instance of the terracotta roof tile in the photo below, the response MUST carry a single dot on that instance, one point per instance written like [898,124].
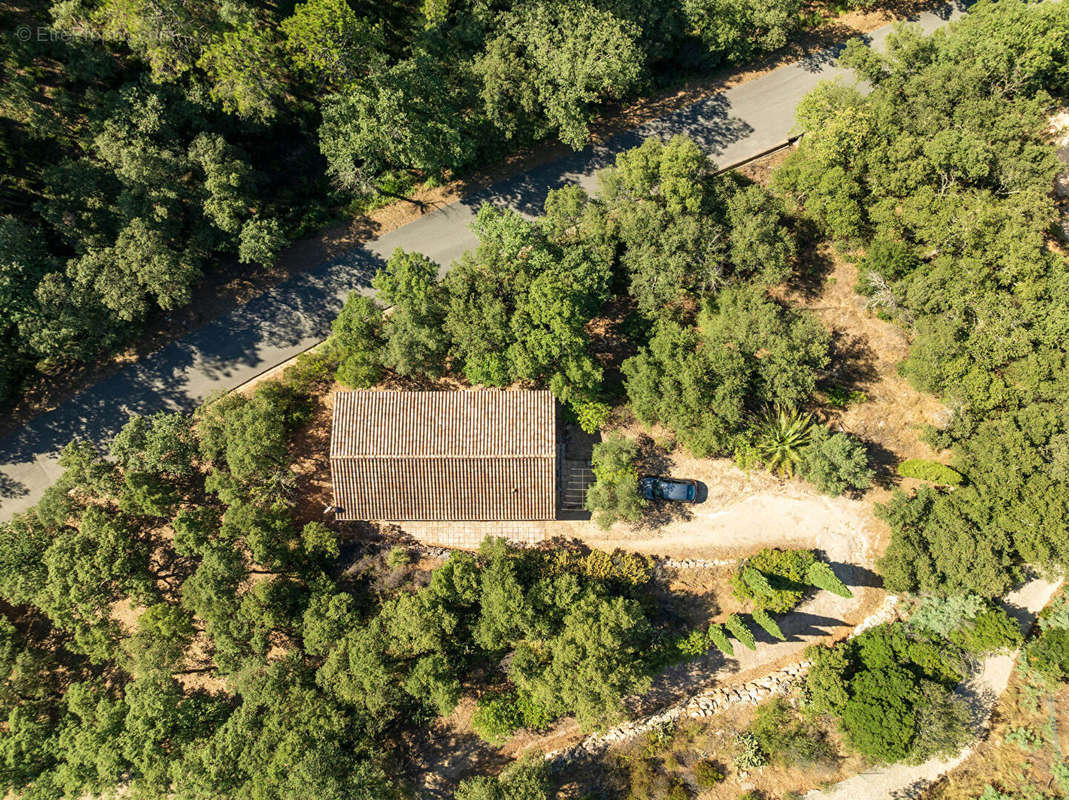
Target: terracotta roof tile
[462,455]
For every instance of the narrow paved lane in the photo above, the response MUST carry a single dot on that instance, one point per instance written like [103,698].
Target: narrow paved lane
[731,126]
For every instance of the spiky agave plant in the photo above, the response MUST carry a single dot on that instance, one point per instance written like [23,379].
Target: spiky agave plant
[782,436]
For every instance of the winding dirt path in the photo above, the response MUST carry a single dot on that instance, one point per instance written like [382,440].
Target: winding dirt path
[906,780]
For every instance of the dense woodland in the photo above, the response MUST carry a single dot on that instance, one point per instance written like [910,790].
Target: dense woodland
[682,259]
[943,175]
[172,624]
[147,144]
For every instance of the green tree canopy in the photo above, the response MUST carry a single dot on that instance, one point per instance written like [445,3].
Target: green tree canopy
[538,76]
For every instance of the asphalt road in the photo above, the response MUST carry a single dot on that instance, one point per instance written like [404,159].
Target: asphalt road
[731,126]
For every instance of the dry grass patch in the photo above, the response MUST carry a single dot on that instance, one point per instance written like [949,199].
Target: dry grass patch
[1027,743]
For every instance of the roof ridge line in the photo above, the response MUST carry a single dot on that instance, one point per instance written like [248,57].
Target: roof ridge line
[467,456]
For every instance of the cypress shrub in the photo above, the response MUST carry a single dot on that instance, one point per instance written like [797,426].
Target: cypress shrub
[742,634]
[719,639]
[762,618]
[757,581]
[821,575]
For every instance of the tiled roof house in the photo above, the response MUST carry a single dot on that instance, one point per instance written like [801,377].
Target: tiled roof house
[459,455]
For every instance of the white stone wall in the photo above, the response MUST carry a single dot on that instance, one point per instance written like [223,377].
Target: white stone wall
[704,704]
[715,699]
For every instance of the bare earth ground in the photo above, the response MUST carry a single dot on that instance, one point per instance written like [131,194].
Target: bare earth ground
[867,353]
[743,513]
[713,738]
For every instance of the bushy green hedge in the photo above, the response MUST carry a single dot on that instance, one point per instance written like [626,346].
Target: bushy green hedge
[784,572]
[498,716]
[932,471]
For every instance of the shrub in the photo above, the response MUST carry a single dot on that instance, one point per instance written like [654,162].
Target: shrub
[1024,737]
[785,572]
[891,258]
[745,454]
[943,723]
[496,718]
[708,774]
[840,397]
[1055,616]
[762,618]
[1047,655]
[748,752]
[989,631]
[619,566]
[358,342]
[892,693]
[525,780]
[786,738]
[677,790]
[693,644]
[590,415]
[398,557]
[756,582]
[534,715]
[941,615]
[835,462]
[969,621]
[929,471]
[878,719]
[781,438]
[614,495]
[720,639]
[821,575]
[742,634]
[311,369]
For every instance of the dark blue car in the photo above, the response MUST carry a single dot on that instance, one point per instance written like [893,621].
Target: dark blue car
[674,489]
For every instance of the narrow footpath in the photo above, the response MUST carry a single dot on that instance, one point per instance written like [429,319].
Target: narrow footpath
[908,780]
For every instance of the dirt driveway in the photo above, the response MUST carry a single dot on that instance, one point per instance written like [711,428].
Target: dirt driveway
[742,513]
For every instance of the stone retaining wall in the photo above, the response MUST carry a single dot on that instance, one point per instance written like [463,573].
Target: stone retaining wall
[715,699]
[695,563]
[432,538]
[704,704]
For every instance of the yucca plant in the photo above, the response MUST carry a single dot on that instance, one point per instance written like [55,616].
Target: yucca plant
[781,437]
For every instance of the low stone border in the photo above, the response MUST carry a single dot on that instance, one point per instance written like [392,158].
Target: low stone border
[716,699]
[439,551]
[704,704]
[695,563]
